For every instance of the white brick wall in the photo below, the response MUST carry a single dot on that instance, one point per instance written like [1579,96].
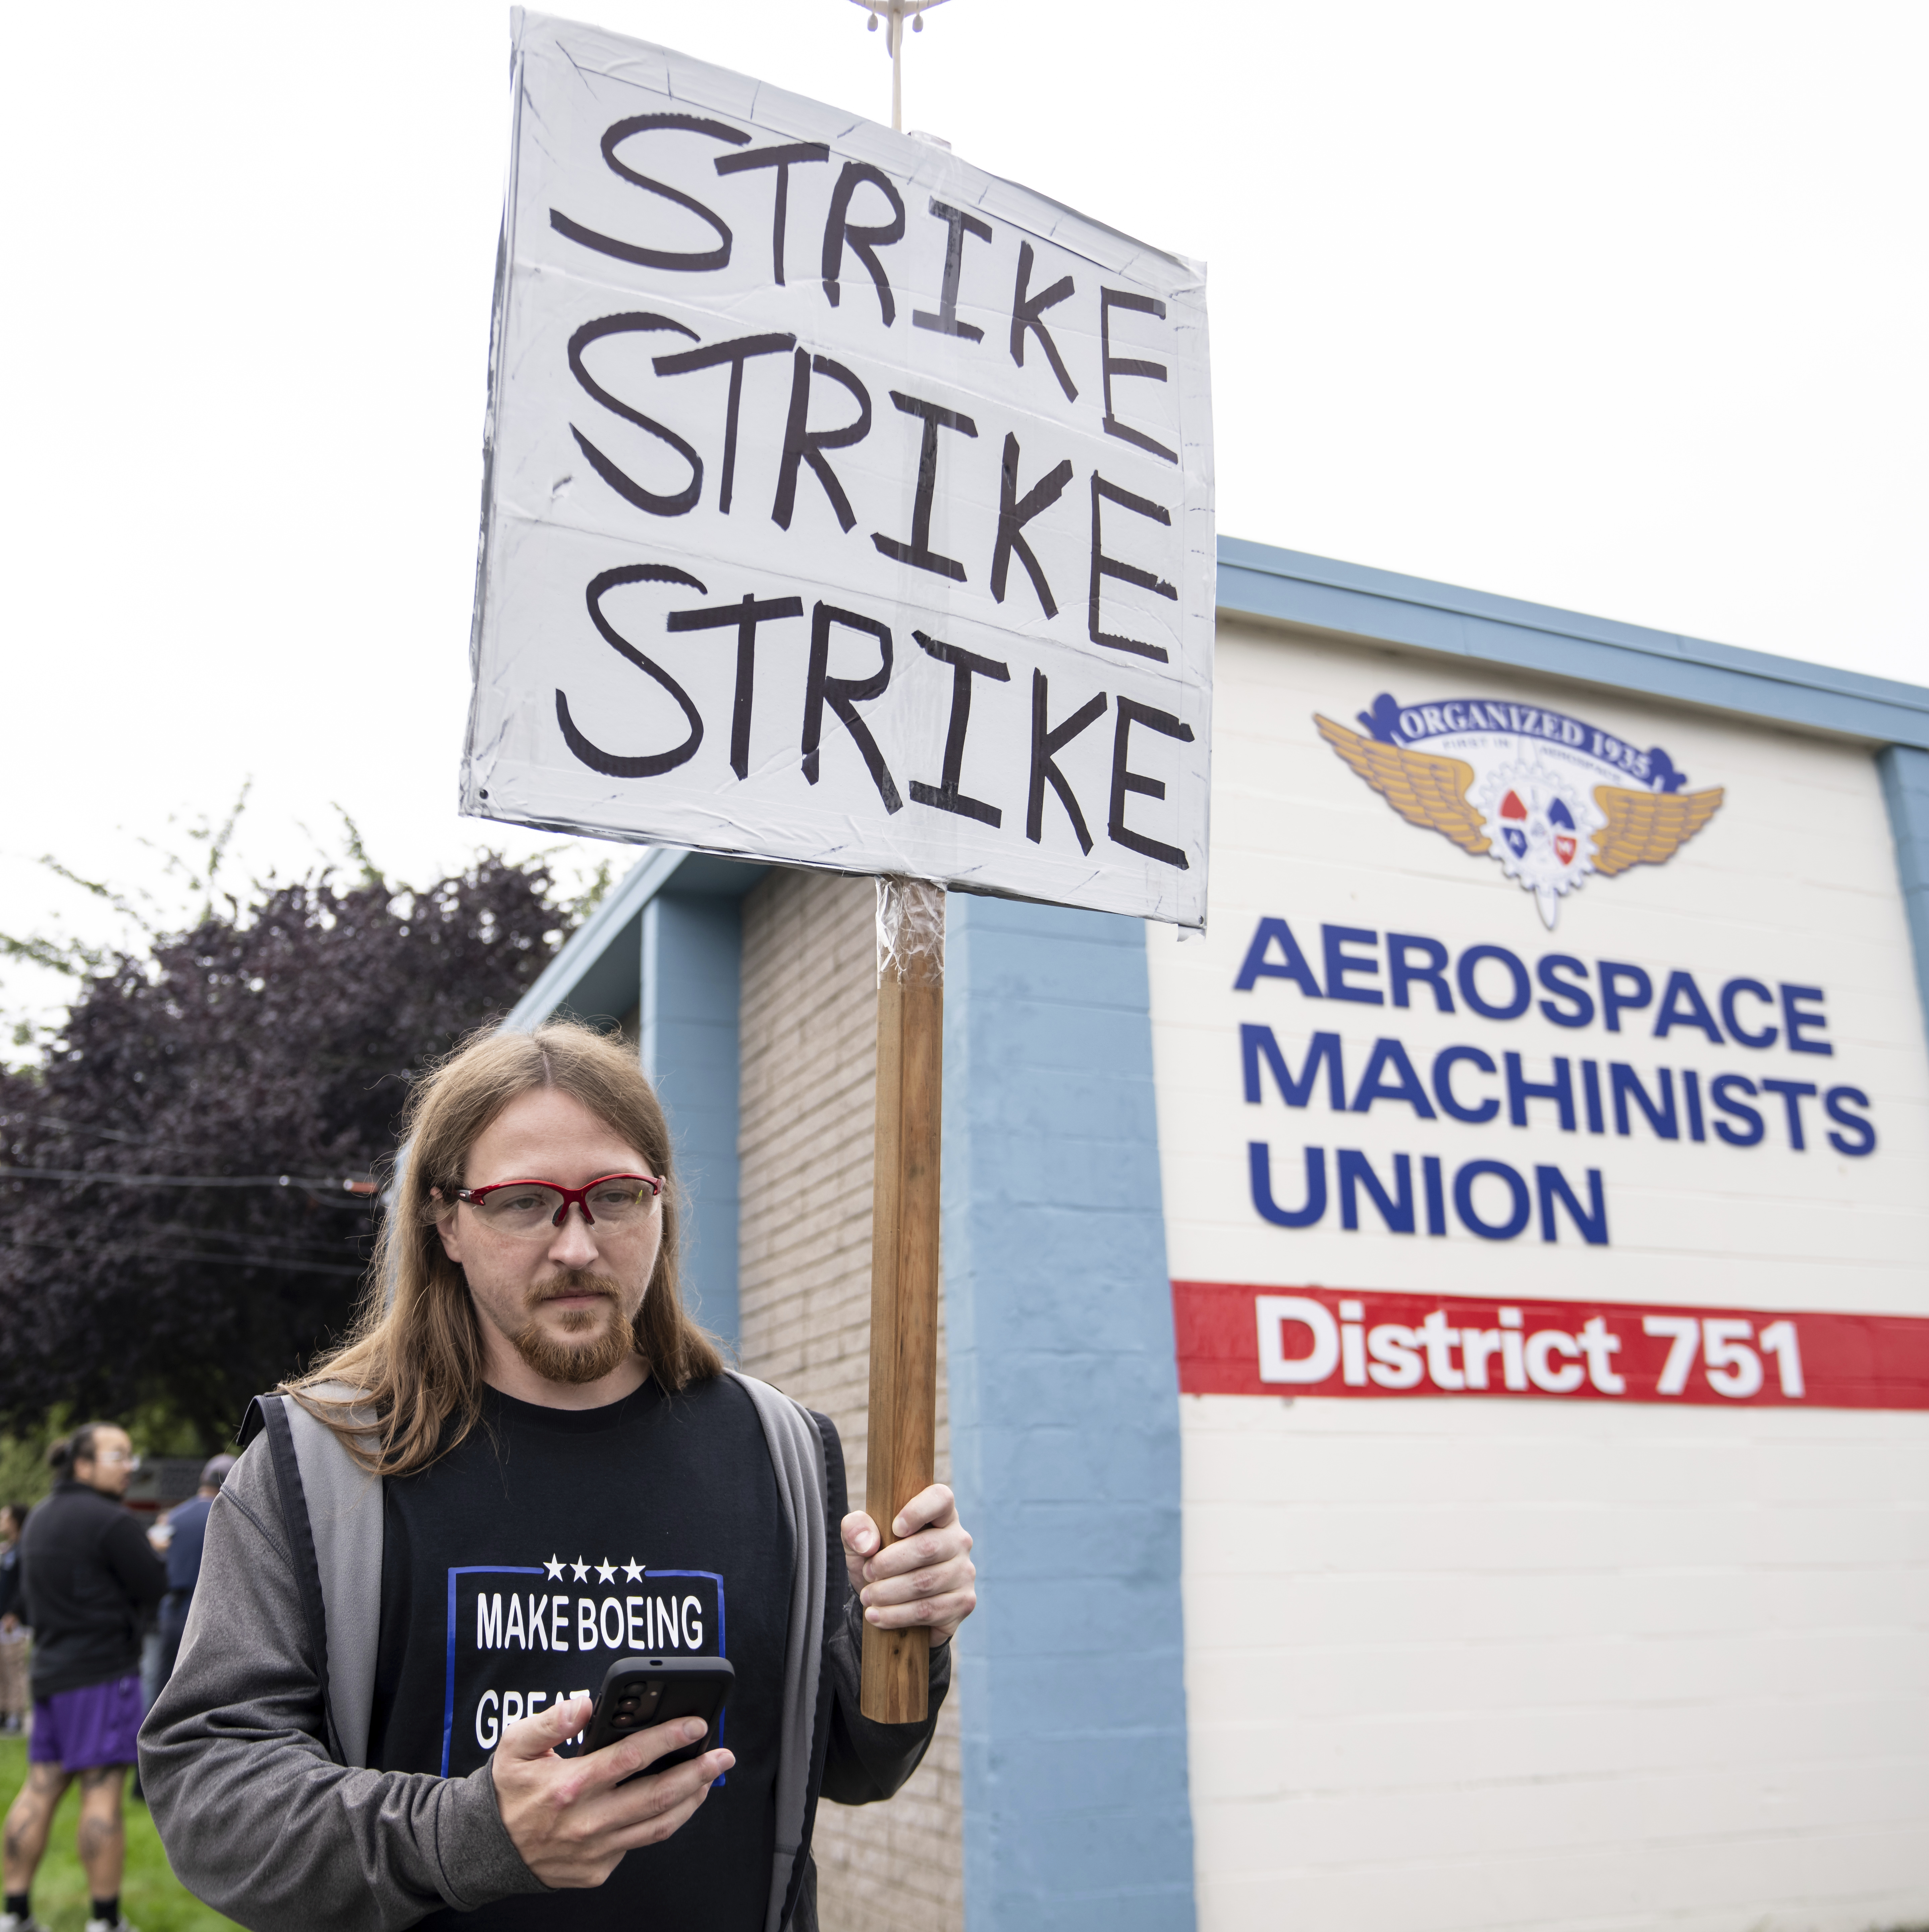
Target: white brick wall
[809,1046]
[1460,1665]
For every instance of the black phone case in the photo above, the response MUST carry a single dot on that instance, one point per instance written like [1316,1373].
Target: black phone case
[640,1691]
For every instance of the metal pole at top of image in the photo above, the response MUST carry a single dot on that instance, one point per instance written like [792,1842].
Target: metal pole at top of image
[894,14]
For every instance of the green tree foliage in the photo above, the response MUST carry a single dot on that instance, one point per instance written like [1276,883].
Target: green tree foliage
[177,1227]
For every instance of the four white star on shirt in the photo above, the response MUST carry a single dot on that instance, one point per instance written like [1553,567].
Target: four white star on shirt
[606,1571]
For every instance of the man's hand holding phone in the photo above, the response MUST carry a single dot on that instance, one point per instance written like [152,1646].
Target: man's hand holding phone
[566,1816]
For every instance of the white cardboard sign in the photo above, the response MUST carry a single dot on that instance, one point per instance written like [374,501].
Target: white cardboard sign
[844,505]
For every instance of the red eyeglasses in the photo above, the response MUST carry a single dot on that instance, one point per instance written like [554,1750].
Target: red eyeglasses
[533,1208]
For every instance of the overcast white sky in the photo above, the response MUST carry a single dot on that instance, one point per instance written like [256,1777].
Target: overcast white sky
[1618,307]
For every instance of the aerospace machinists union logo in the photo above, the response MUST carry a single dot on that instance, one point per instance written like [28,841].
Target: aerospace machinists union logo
[1551,798]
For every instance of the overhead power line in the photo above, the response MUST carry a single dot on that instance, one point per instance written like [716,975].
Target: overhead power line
[143,1251]
[330,1183]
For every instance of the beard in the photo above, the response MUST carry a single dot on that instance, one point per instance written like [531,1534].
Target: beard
[594,1341]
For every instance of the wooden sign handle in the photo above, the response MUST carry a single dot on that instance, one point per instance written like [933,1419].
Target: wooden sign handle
[903,1259]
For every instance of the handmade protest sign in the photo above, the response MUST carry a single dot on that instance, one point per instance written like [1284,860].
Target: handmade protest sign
[844,505]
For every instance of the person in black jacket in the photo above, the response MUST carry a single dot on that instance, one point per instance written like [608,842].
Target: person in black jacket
[88,1578]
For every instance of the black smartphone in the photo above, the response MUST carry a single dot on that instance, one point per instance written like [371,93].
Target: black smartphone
[640,1691]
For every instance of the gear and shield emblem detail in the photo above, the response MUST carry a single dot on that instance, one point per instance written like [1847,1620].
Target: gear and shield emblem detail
[1550,797]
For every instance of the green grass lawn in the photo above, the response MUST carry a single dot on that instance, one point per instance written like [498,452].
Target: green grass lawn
[151,1896]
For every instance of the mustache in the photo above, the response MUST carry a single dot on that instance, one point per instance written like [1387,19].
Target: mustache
[577,1282]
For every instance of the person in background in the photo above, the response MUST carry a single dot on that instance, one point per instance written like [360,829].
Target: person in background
[88,1577]
[13,1632]
[187,1528]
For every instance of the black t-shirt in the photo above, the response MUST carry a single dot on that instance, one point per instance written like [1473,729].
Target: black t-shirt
[552,1542]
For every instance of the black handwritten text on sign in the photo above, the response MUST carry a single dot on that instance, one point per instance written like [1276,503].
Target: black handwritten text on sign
[844,505]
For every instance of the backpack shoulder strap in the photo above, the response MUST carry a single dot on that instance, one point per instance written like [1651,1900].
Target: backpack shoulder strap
[267,1415]
[836,1595]
[333,1509]
[797,1458]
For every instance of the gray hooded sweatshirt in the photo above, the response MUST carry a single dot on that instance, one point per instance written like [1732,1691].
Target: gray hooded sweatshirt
[268,1815]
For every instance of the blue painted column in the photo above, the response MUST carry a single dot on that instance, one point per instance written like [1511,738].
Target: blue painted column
[692,955]
[1064,1427]
[1905,784]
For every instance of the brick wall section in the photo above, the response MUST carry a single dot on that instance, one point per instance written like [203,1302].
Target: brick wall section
[808,1055]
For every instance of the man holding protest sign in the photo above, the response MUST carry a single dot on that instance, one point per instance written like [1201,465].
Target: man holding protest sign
[530,1465]
[836,553]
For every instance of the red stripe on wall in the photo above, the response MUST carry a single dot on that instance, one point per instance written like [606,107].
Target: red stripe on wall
[1236,1339]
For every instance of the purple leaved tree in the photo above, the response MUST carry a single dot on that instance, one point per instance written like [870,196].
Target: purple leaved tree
[150,1250]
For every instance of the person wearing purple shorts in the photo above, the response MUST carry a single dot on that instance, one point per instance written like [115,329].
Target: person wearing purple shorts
[88,1578]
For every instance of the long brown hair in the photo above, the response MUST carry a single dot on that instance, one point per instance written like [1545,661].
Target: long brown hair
[413,1363]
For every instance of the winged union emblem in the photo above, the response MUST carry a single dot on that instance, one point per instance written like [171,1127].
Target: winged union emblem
[1551,797]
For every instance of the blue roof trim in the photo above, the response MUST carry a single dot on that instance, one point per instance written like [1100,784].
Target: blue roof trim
[618,917]
[599,969]
[1905,784]
[1258,581]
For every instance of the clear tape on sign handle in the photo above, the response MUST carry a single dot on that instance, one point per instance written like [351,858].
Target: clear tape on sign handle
[910,928]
